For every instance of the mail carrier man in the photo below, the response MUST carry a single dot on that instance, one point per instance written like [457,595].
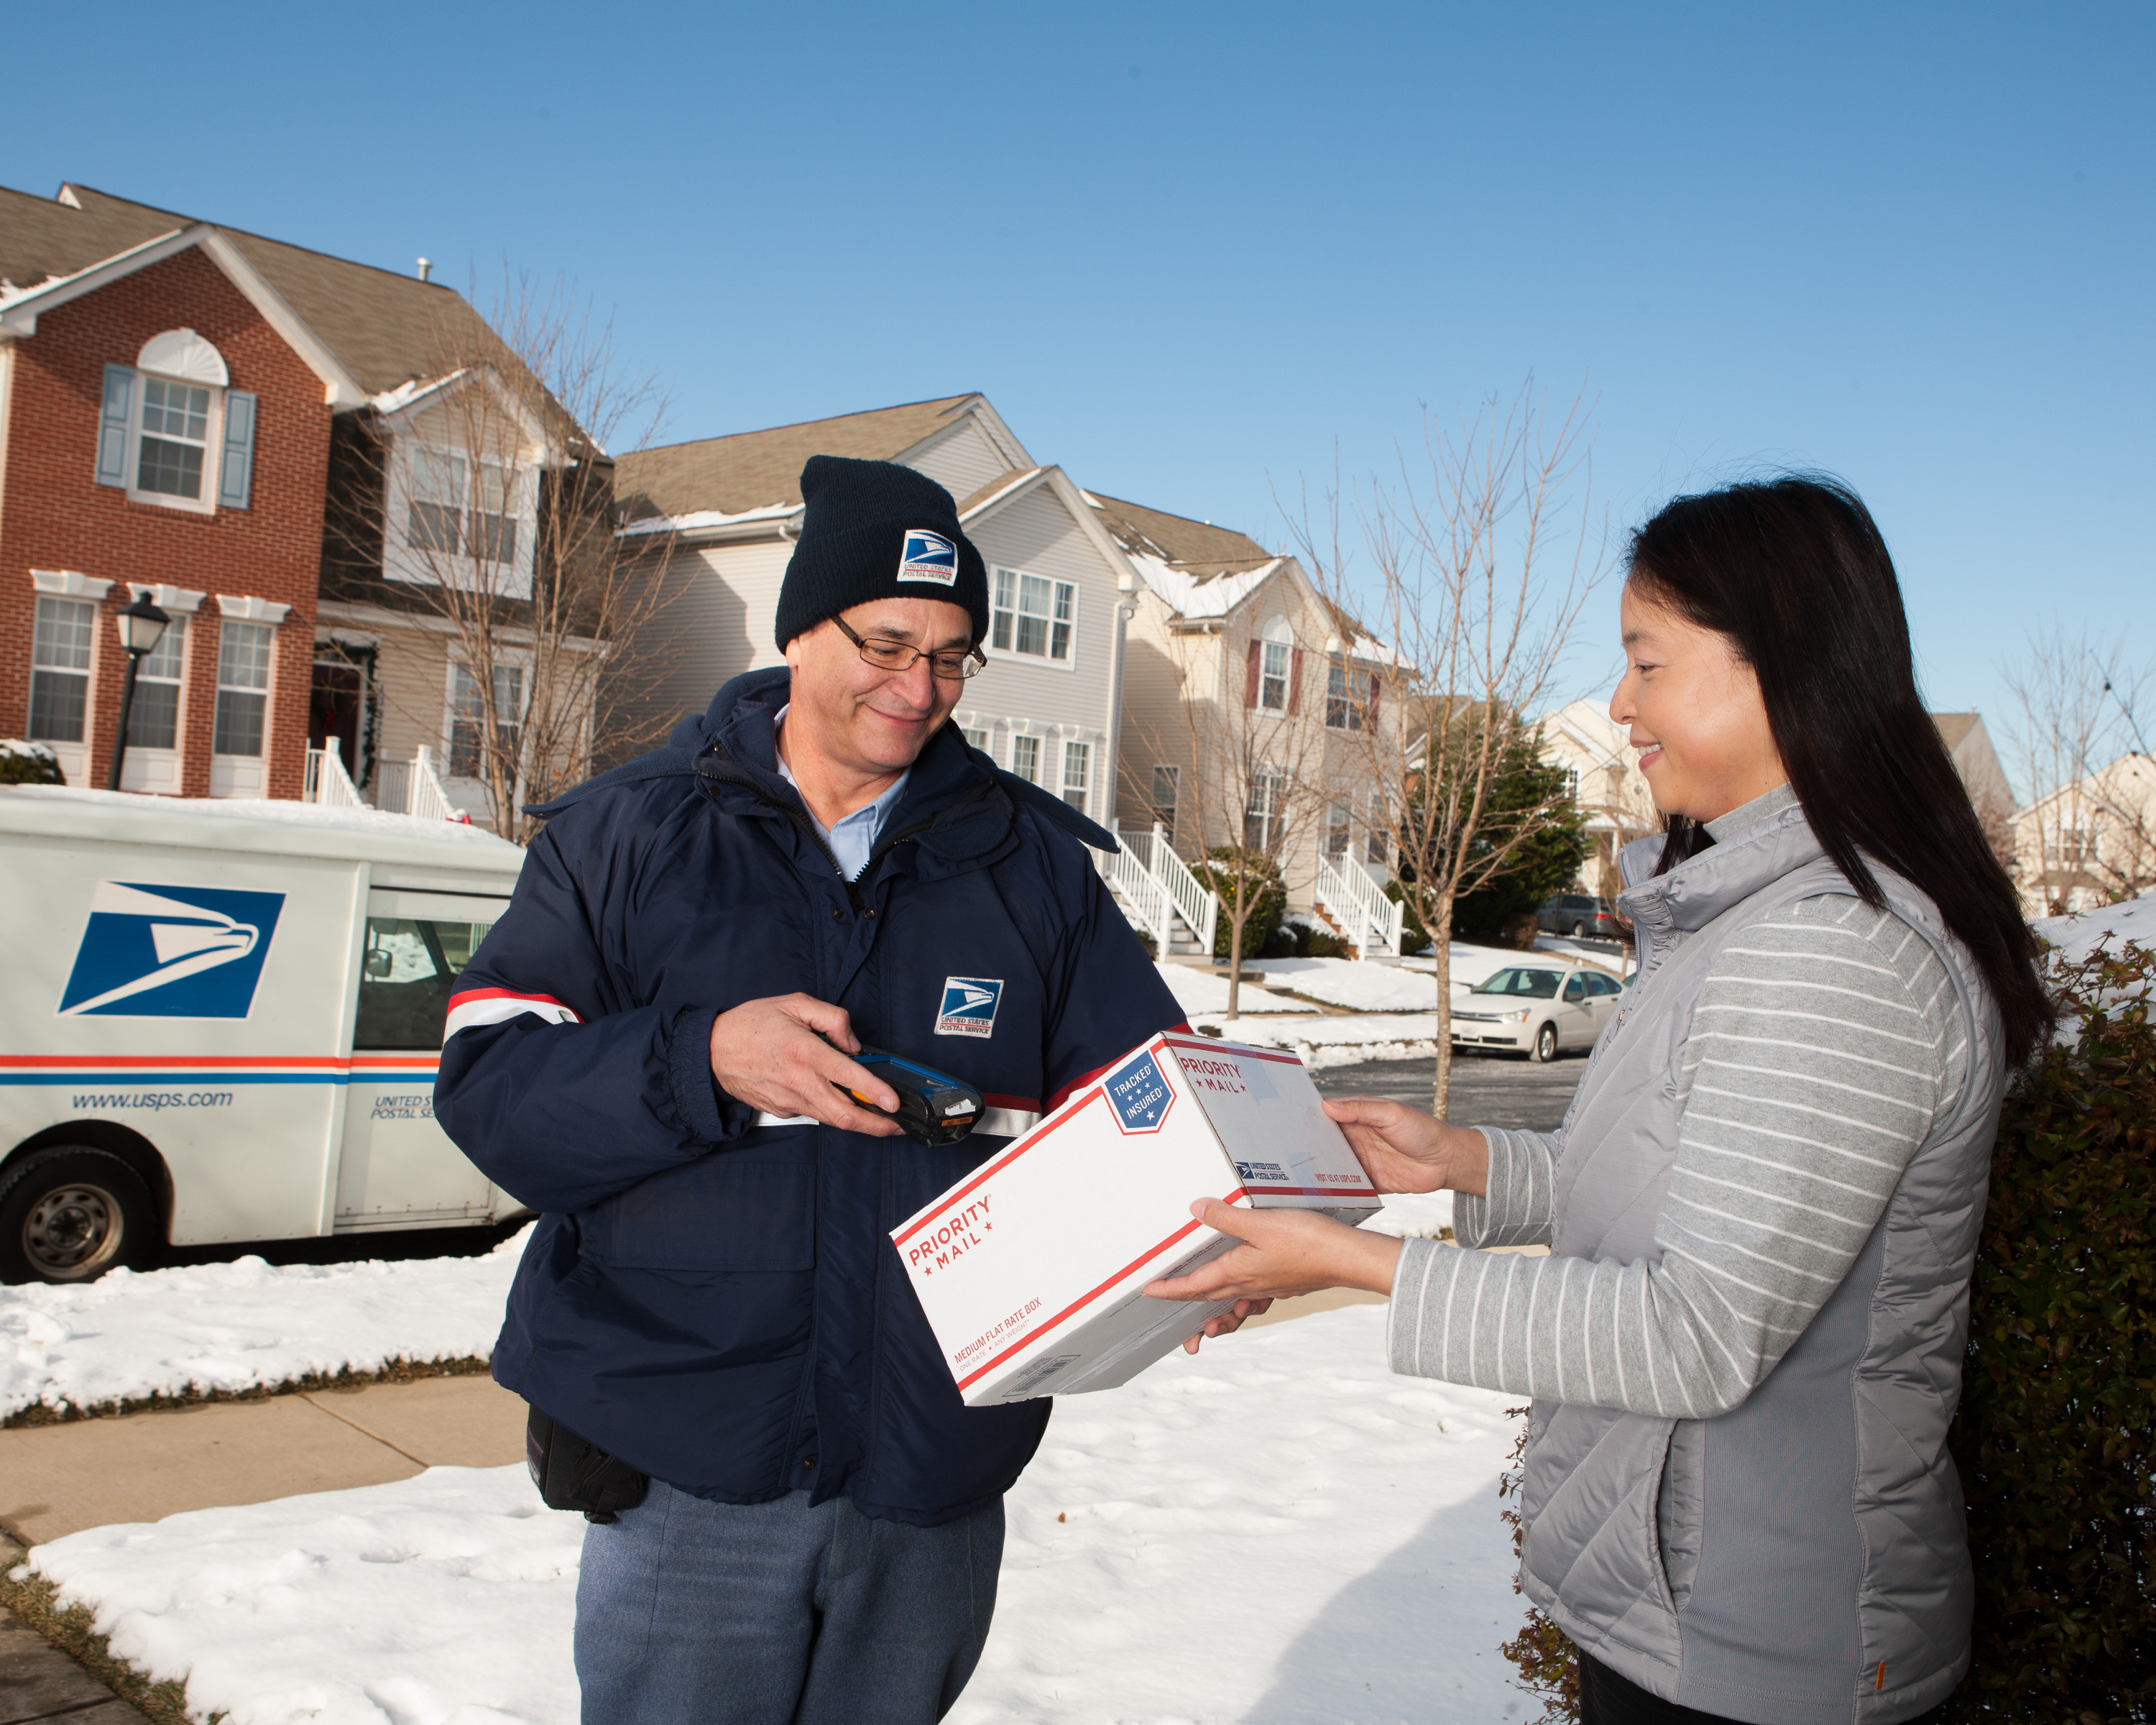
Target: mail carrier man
[647,1051]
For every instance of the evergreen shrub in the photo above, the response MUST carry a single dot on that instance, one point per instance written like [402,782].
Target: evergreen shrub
[2059,1390]
[1268,898]
[28,763]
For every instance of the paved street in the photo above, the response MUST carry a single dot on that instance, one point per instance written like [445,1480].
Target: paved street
[1487,1089]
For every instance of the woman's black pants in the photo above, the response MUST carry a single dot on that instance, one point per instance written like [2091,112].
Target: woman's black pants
[1607,1699]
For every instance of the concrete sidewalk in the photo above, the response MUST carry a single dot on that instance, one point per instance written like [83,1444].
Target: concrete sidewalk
[141,1467]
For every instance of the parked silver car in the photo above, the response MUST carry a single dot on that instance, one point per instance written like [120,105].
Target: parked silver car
[1538,1006]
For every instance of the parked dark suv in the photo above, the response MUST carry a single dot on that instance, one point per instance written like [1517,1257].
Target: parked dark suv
[1576,913]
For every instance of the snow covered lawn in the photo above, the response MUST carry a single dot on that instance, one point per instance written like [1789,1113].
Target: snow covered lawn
[1279,1530]
[1355,984]
[243,1326]
[1198,991]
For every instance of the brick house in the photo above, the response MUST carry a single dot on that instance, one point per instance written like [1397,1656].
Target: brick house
[179,404]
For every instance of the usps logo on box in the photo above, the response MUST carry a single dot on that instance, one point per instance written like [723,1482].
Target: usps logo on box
[969,1006]
[171,952]
[928,556]
[1138,1094]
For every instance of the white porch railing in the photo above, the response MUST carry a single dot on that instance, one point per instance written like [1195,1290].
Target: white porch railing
[1370,920]
[1147,897]
[327,782]
[1148,863]
[411,787]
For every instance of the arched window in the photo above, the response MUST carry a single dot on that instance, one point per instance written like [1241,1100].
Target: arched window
[172,431]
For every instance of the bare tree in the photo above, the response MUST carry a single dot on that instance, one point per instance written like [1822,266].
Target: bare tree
[1480,563]
[486,498]
[2088,831]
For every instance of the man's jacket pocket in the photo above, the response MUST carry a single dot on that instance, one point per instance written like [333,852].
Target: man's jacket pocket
[719,1213]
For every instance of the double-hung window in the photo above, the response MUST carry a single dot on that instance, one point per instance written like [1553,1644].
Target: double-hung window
[60,667]
[1167,783]
[153,722]
[1272,675]
[1261,817]
[1025,758]
[468,745]
[1077,770]
[243,687]
[492,537]
[1346,697]
[1033,615]
[435,519]
[175,440]
[1337,815]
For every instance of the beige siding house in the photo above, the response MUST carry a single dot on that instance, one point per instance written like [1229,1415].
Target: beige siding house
[1247,699]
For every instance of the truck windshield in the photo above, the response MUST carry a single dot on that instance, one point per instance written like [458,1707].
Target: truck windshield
[405,982]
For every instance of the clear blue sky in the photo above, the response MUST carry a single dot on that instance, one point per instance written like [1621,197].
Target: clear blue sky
[1190,250]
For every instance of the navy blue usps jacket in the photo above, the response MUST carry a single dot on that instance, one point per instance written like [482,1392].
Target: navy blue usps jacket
[717,1302]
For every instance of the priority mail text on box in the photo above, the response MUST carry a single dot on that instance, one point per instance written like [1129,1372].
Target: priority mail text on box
[1029,1269]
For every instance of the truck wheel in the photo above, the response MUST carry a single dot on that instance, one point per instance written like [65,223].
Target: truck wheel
[69,1214]
[1545,1048]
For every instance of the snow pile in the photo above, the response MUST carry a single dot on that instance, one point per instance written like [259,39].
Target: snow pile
[1332,1041]
[1278,1529]
[2076,937]
[243,1326]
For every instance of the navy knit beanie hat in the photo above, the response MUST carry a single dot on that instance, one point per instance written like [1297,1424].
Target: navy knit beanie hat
[873,530]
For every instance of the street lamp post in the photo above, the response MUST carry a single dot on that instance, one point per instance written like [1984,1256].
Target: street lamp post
[141,626]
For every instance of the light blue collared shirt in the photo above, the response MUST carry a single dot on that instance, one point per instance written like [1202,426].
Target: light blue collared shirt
[853,840]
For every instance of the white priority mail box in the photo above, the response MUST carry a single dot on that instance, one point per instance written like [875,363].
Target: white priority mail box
[1029,1269]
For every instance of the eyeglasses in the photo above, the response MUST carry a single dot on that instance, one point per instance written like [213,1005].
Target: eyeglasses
[888,655]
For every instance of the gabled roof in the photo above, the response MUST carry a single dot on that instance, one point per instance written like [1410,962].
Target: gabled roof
[756,474]
[1199,549]
[384,329]
[1952,727]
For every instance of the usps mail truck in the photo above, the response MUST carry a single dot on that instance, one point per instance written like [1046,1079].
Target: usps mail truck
[219,1021]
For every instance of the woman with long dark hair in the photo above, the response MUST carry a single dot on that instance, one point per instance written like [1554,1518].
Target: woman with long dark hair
[1745,1344]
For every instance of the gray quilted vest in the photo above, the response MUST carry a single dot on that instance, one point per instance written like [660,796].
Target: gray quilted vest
[1802,1559]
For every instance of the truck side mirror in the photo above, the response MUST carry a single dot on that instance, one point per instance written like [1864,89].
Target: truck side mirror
[380,962]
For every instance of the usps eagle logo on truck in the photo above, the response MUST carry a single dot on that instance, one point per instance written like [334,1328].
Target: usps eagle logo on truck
[171,952]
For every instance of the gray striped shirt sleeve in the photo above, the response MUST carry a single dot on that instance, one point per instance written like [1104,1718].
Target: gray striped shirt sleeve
[1823,1047]
[1522,1191]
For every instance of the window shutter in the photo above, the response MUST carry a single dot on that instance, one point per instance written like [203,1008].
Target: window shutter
[1294,681]
[236,473]
[113,417]
[1250,680]
[1371,710]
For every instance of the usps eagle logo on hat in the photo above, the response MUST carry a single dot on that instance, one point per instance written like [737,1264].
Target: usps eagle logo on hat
[928,556]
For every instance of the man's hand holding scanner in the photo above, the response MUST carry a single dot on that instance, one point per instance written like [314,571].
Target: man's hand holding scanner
[781,1055]
[1286,1253]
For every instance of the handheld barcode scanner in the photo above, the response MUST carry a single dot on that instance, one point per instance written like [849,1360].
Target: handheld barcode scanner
[933,1107]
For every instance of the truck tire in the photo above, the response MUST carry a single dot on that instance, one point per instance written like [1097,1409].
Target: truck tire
[1545,1048]
[70,1214]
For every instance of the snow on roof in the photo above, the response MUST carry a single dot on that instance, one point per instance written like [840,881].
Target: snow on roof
[395,401]
[2074,937]
[1198,597]
[706,518]
[375,821]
